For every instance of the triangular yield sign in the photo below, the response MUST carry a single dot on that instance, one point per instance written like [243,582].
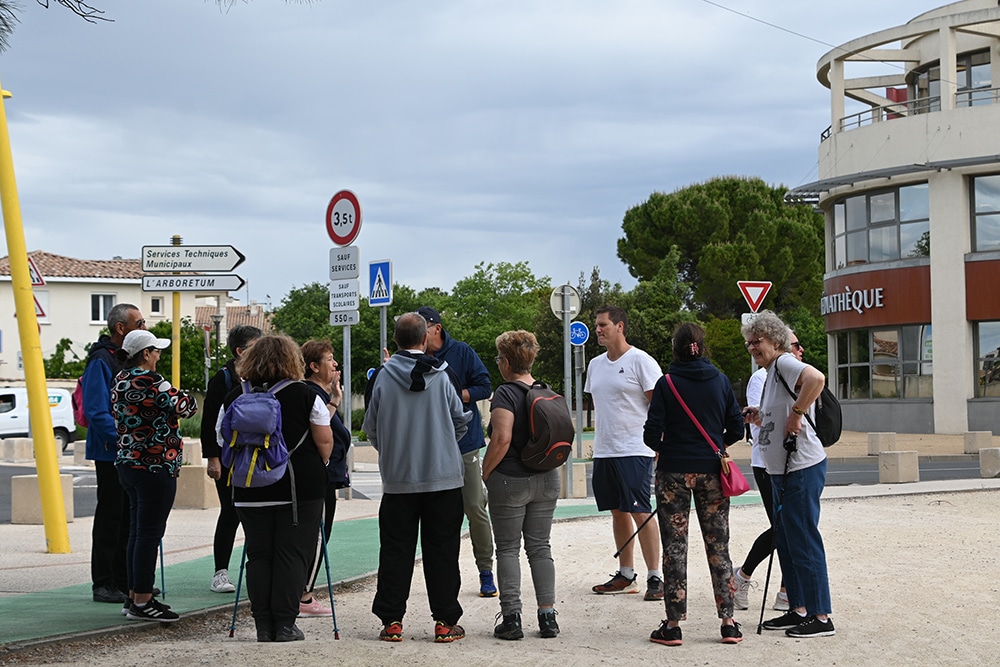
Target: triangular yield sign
[754,292]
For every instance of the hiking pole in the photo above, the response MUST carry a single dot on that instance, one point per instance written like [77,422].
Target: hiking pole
[774,538]
[163,582]
[637,531]
[239,584]
[329,581]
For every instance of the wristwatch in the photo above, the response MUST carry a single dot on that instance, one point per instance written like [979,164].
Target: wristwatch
[797,410]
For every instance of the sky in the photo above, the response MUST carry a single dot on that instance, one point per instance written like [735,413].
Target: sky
[471,131]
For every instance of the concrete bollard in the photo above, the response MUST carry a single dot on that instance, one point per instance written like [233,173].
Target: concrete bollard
[25,499]
[989,462]
[976,440]
[17,450]
[195,489]
[881,442]
[898,467]
[579,472]
[80,454]
[192,452]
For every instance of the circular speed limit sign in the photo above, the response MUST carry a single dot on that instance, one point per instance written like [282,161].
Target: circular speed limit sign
[343,218]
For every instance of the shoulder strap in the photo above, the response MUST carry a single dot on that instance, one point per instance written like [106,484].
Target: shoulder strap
[690,414]
[278,386]
[246,387]
[791,393]
[228,377]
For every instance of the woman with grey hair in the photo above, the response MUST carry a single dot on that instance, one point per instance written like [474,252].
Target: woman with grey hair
[795,460]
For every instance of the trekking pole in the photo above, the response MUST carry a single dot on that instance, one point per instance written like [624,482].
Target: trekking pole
[163,581]
[774,542]
[329,582]
[239,584]
[637,531]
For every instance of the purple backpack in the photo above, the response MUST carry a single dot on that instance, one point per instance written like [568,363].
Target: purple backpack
[253,447]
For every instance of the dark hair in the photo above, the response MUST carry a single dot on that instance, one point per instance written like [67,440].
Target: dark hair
[519,348]
[616,315]
[241,336]
[313,352]
[127,361]
[411,329]
[689,342]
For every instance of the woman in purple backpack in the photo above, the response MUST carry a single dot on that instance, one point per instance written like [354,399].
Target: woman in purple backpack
[281,537]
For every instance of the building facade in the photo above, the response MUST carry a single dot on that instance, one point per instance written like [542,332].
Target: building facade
[909,182]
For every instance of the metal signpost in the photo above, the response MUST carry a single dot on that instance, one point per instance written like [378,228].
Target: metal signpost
[579,334]
[565,304]
[343,224]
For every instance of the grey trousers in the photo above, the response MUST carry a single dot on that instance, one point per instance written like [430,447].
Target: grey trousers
[474,505]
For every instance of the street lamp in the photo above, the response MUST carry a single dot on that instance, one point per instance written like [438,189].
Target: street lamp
[217,320]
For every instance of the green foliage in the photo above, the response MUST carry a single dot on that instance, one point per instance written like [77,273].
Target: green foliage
[812,334]
[728,229]
[190,427]
[192,354]
[656,307]
[57,366]
[726,350]
[304,313]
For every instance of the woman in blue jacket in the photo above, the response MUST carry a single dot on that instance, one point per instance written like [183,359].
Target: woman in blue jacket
[688,467]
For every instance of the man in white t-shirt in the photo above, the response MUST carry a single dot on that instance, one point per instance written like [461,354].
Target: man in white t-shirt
[621,383]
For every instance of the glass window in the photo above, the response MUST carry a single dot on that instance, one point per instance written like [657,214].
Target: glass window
[838,218]
[100,306]
[986,213]
[857,248]
[915,240]
[899,367]
[883,244]
[857,215]
[882,214]
[883,207]
[156,305]
[914,204]
[987,335]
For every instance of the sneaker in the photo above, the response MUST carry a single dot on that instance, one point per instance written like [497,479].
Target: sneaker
[617,584]
[289,633]
[547,626]
[789,619]
[221,583]
[392,632]
[509,628]
[741,599]
[154,610]
[128,603]
[781,602]
[654,589]
[314,608]
[486,587]
[731,634]
[105,594]
[666,636]
[444,633]
[812,627]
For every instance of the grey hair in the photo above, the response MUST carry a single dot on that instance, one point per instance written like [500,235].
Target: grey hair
[119,314]
[768,325]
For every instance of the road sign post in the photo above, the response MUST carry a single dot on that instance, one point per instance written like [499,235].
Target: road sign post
[579,333]
[565,303]
[343,218]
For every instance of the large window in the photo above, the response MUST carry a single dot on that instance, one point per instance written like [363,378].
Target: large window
[973,79]
[986,213]
[882,226]
[100,306]
[987,335]
[890,362]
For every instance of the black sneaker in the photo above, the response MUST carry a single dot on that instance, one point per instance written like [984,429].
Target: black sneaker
[812,627]
[547,626]
[510,628]
[152,611]
[654,589]
[105,594]
[289,633]
[666,636]
[731,634]
[789,619]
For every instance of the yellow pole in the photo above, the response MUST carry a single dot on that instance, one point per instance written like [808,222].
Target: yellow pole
[175,337]
[49,487]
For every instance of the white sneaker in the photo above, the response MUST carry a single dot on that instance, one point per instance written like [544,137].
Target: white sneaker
[741,599]
[221,583]
[781,601]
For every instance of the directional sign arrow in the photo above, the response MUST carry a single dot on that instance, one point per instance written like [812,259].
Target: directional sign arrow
[190,258]
[227,282]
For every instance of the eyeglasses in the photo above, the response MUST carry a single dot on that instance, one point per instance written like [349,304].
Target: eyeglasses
[752,343]
[498,359]
[798,346]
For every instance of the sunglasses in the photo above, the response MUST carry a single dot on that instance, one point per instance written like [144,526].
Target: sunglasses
[798,346]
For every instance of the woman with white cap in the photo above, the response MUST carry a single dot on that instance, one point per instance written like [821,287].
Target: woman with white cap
[147,412]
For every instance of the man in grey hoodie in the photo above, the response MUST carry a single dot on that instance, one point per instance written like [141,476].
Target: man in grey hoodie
[415,420]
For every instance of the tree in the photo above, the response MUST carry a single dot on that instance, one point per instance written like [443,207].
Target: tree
[728,229]
[192,353]
[57,366]
[656,307]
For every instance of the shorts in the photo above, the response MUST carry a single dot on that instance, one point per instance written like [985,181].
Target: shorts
[624,483]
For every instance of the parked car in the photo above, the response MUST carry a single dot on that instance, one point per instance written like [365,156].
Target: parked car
[14,420]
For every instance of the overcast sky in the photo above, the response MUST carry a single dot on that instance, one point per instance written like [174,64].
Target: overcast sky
[471,131]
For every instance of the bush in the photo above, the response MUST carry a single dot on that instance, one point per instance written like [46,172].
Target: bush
[191,427]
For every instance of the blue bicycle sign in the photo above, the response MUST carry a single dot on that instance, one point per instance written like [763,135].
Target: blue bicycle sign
[578,333]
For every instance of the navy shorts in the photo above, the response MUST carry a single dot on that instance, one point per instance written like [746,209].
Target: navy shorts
[624,483]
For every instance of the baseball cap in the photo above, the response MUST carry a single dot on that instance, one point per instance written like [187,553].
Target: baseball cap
[138,340]
[429,314]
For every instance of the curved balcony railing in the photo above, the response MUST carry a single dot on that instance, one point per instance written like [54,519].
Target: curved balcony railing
[963,98]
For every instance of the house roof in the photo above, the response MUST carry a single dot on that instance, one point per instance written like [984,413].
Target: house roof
[57,266]
[254,315]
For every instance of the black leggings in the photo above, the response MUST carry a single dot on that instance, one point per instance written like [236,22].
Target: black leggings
[764,543]
[228,522]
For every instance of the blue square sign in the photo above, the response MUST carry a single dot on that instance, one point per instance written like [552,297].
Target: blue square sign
[380,283]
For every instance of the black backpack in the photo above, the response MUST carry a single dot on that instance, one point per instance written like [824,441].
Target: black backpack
[550,429]
[829,417]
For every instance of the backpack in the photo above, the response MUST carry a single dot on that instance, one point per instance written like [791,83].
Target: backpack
[550,430]
[79,416]
[829,417]
[253,446]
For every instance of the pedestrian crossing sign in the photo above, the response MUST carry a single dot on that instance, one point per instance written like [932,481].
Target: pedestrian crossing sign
[380,283]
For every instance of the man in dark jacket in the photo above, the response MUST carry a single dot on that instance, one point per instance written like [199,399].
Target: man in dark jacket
[474,383]
[110,532]
[222,382]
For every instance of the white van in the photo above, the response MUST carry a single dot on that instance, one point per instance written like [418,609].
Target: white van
[14,421]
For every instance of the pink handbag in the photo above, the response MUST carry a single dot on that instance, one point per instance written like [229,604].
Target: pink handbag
[733,481]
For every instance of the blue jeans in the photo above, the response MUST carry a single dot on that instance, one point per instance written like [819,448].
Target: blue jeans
[800,546]
[150,498]
[523,506]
